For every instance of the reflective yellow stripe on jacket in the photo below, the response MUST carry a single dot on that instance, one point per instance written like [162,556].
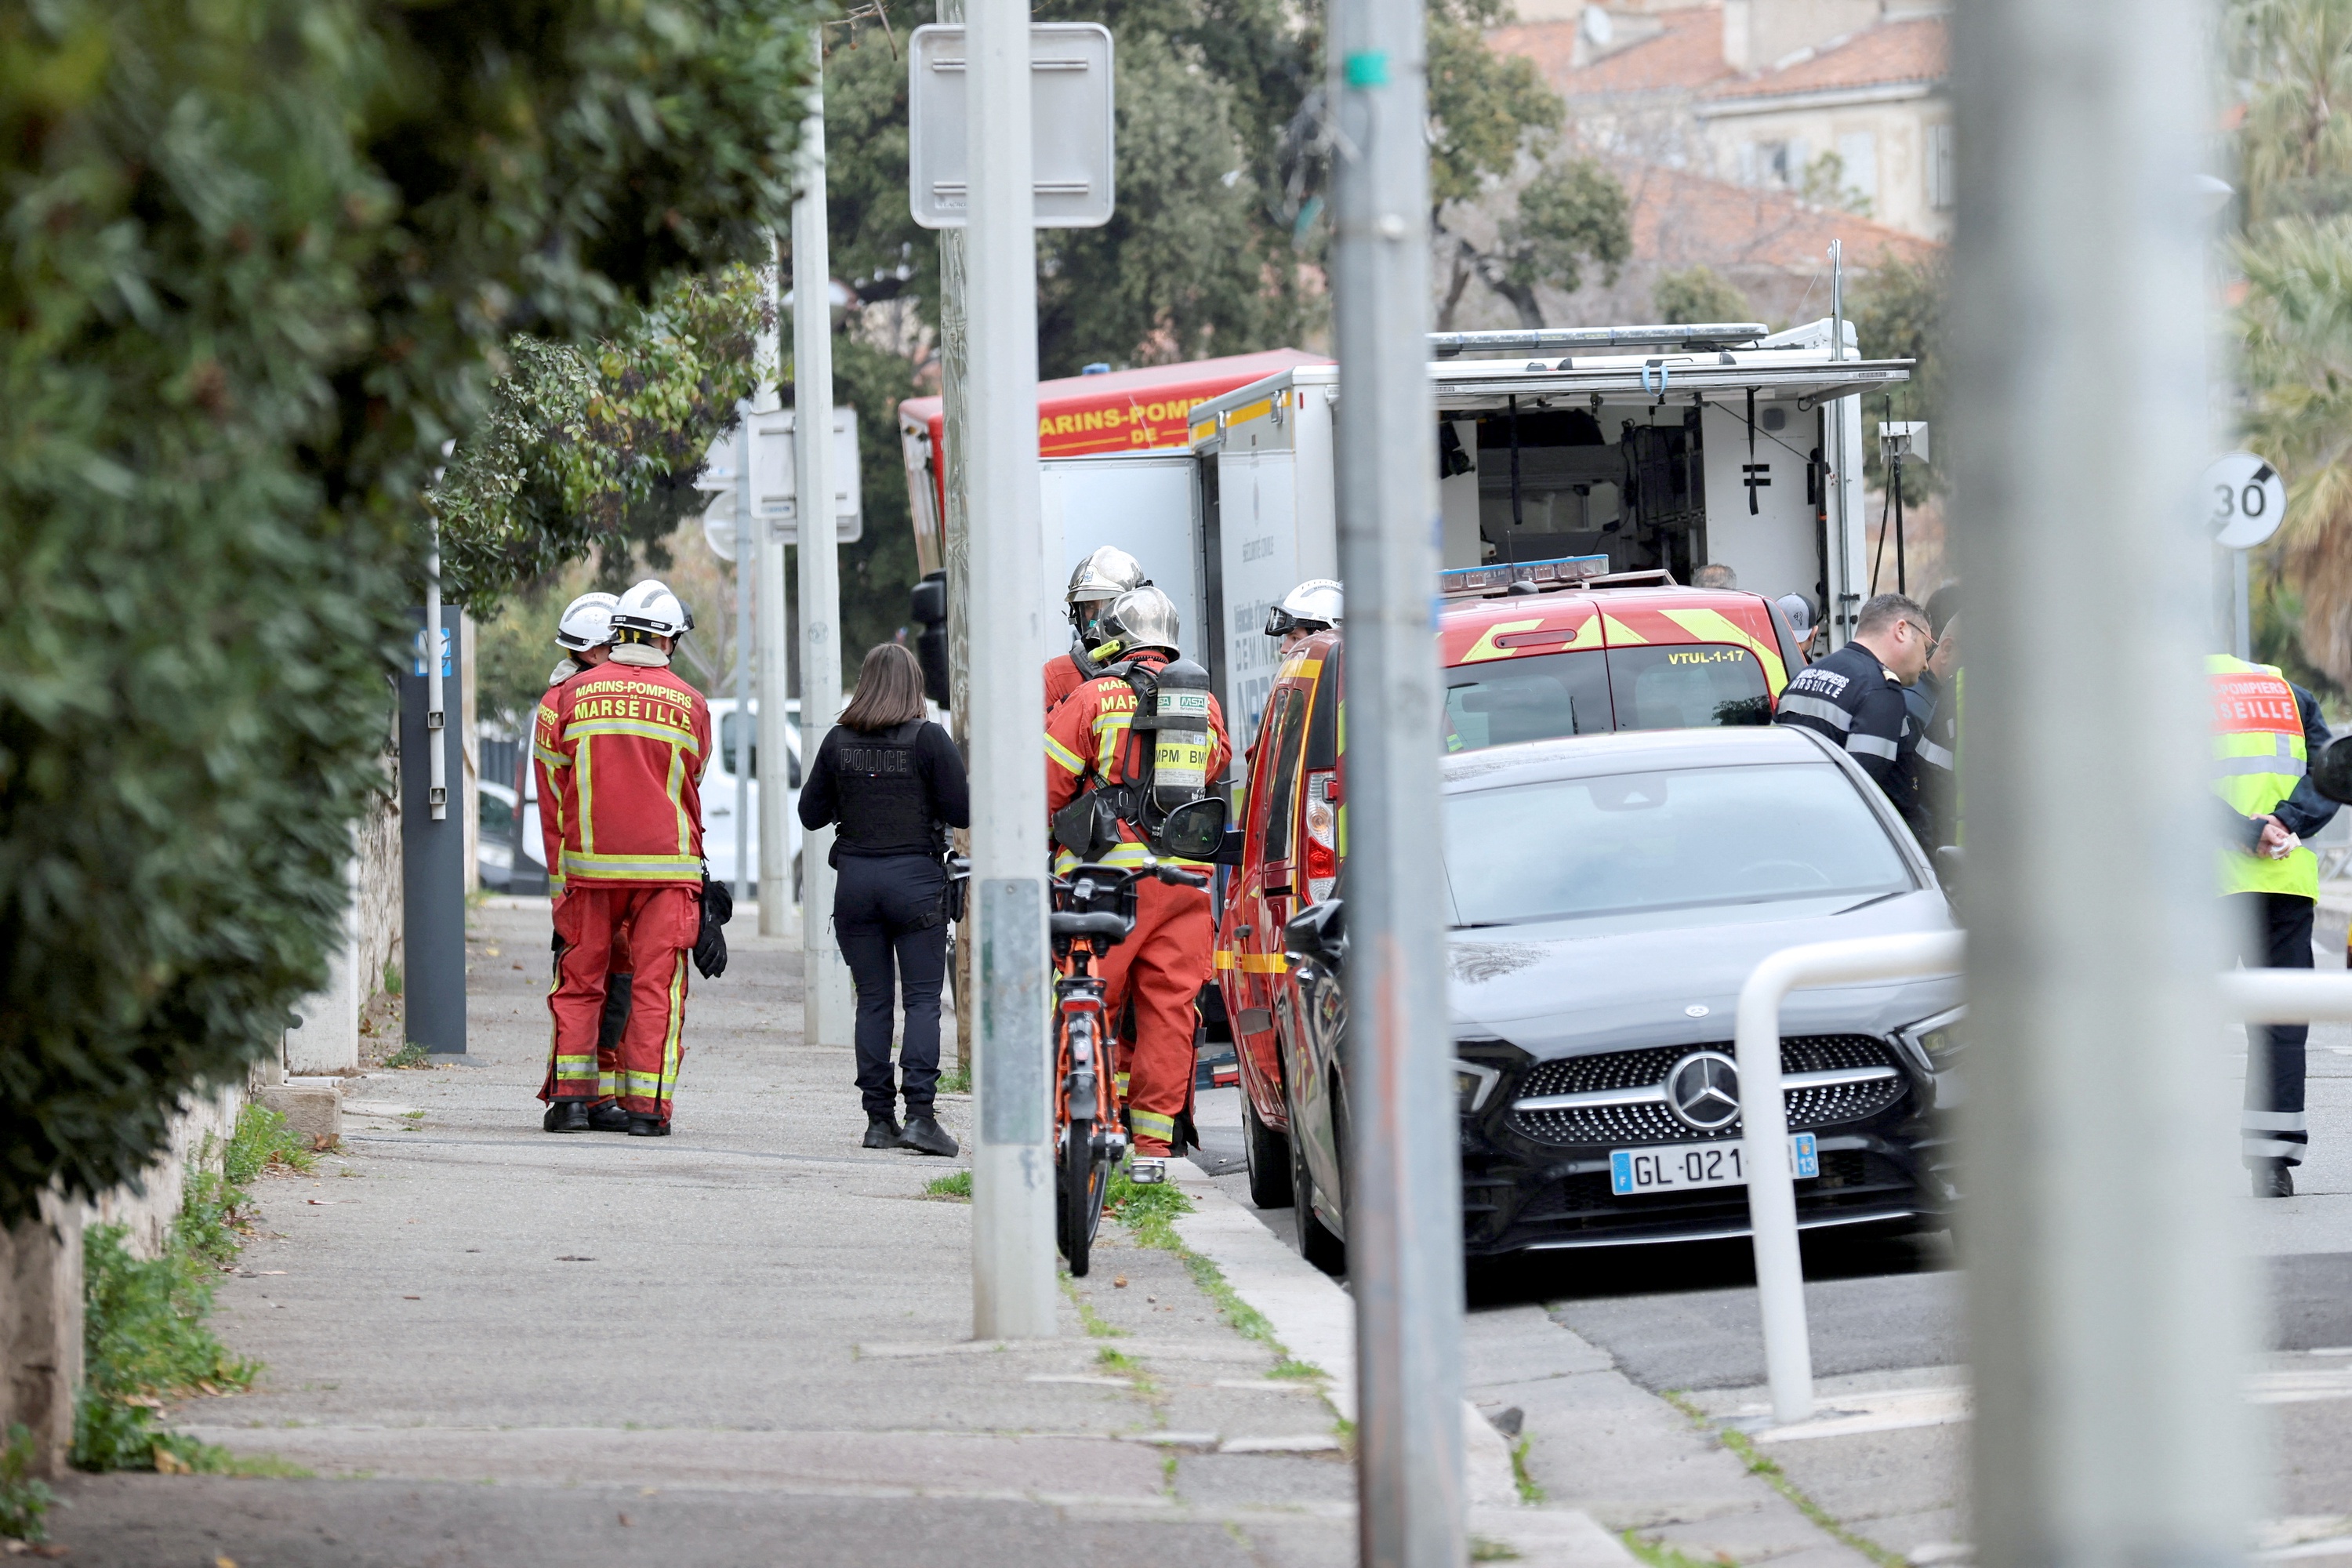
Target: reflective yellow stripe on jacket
[2258,759]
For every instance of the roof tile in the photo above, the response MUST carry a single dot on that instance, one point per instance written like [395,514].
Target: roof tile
[1892,52]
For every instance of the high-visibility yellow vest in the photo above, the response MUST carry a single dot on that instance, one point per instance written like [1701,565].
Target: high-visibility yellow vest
[2258,759]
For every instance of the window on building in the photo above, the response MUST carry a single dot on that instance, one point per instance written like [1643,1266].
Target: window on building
[1943,185]
[1858,163]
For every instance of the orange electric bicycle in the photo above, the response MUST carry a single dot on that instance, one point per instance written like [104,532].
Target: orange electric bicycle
[1093,911]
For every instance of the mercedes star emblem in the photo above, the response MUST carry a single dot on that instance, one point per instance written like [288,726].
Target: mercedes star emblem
[1702,1091]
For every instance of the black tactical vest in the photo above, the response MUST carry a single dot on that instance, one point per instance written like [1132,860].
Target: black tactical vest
[883,801]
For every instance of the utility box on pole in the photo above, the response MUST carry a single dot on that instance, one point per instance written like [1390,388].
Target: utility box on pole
[432,853]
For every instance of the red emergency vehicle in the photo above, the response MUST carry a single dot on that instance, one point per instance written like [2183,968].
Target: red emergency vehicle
[1530,652]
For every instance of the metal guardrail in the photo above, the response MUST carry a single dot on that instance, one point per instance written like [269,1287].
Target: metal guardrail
[2248,996]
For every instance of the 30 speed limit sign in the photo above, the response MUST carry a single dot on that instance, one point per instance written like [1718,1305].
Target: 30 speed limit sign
[2248,499]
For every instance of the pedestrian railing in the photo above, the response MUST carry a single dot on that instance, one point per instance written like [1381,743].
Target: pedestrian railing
[2248,996]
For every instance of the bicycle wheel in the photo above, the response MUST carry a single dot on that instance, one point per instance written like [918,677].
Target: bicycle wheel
[1082,1196]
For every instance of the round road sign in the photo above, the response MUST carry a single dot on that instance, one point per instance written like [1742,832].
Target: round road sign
[2248,499]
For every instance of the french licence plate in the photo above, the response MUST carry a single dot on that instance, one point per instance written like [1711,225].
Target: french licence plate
[1681,1167]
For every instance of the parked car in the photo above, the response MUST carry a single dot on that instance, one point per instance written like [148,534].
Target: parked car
[1606,899]
[718,804]
[1574,657]
[494,844]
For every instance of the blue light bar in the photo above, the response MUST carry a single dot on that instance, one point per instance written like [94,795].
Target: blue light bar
[1497,579]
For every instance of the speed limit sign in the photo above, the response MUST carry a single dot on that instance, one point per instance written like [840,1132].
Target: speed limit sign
[2248,499]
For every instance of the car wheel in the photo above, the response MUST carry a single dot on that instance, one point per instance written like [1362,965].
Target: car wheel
[1316,1242]
[1268,1154]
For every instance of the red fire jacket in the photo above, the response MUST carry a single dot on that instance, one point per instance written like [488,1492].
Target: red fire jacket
[624,745]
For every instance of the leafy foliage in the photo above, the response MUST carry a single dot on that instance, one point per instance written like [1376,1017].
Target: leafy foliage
[2294,320]
[1695,297]
[599,448]
[1491,114]
[24,1499]
[1898,314]
[264,256]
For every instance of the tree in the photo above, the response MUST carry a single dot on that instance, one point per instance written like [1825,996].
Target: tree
[2294,325]
[1571,215]
[264,258]
[1696,296]
[598,448]
[1897,311]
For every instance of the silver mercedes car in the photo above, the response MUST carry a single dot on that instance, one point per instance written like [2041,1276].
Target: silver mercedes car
[1607,896]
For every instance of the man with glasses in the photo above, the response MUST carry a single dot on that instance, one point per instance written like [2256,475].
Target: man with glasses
[1854,698]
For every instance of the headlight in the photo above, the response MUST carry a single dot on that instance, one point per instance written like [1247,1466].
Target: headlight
[1938,1039]
[1473,1082]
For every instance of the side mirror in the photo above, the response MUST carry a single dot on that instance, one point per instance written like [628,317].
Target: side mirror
[1195,830]
[1230,852]
[1948,861]
[1319,931]
[2331,771]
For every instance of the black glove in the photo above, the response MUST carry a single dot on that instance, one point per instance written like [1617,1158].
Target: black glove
[709,941]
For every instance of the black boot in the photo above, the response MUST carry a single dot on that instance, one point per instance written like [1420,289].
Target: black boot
[2273,1179]
[881,1131]
[565,1116]
[642,1126]
[608,1118]
[926,1136]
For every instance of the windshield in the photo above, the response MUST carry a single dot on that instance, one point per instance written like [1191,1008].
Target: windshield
[1664,686]
[1686,838]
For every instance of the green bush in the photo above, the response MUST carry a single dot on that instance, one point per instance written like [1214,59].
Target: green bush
[264,258]
[24,1499]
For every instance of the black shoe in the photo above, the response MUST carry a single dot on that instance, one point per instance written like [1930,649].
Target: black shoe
[642,1126]
[608,1118]
[565,1116]
[925,1136]
[881,1131]
[2273,1179]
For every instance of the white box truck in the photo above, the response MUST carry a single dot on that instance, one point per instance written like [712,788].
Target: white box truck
[1660,448]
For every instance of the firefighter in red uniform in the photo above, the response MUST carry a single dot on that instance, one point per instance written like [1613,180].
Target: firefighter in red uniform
[629,740]
[1100,578]
[1162,965]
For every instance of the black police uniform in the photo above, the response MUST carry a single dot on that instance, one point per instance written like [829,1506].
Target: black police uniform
[1856,702]
[894,792]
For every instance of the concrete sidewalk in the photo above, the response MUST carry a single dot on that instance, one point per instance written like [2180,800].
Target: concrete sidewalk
[748,1344]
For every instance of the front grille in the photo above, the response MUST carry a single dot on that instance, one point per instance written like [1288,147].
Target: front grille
[1623,1126]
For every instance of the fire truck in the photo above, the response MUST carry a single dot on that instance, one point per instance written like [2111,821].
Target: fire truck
[1632,449]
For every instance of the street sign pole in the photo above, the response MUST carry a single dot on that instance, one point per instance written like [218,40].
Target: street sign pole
[827,1002]
[746,567]
[2108,1302]
[771,626]
[1013,1172]
[1404,1212]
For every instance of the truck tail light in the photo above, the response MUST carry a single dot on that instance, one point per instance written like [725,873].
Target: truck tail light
[1322,833]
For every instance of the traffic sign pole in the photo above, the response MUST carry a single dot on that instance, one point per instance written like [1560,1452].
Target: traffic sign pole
[2107,1297]
[1404,1188]
[1013,1170]
[827,1000]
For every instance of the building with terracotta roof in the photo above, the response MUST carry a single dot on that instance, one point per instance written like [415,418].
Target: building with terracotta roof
[1762,93]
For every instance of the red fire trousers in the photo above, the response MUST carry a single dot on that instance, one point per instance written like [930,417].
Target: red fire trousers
[1162,965]
[658,925]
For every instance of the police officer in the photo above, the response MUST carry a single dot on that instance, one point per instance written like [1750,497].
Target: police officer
[1097,581]
[895,783]
[2265,732]
[629,740]
[1854,698]
[1090,742]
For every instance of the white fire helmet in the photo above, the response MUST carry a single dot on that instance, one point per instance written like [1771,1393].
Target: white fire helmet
[1312,606]
[1141,617]
[587,622]
[652,608]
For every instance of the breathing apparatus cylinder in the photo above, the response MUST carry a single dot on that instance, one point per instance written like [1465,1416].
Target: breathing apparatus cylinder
[1179,769]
